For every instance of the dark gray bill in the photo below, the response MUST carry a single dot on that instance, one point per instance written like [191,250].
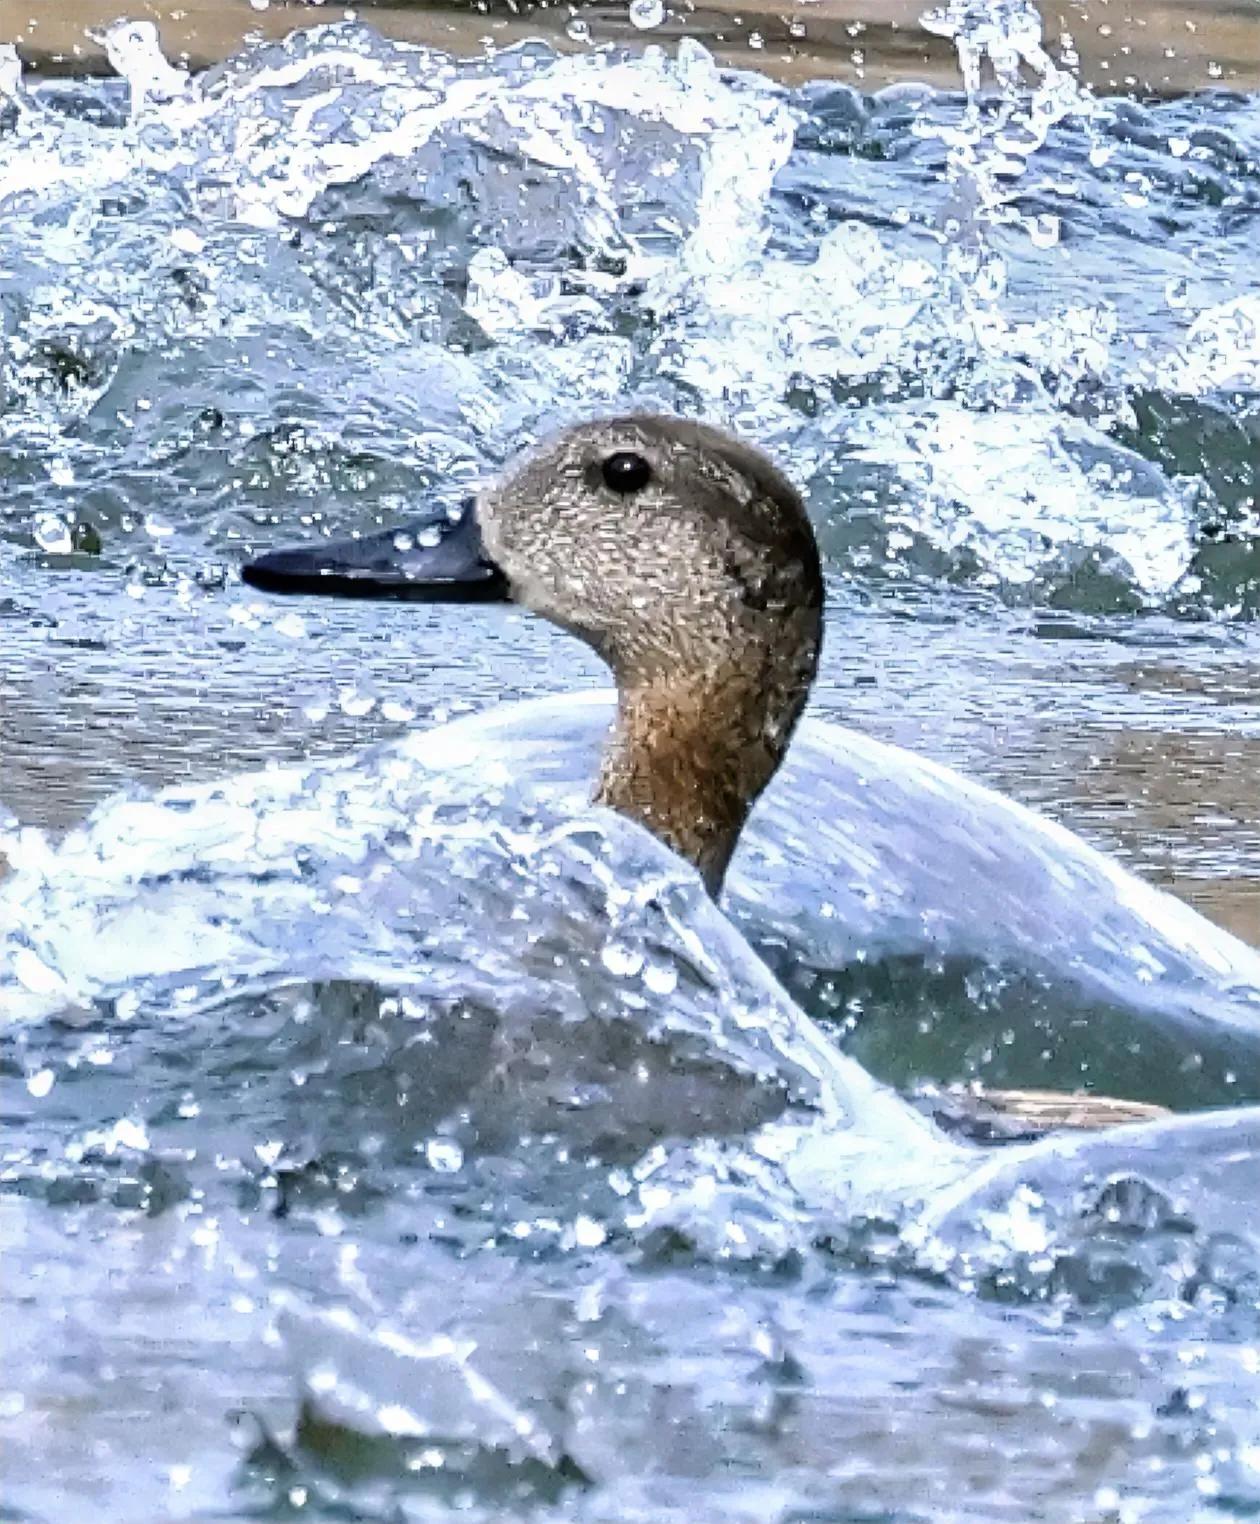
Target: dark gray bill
[431,562]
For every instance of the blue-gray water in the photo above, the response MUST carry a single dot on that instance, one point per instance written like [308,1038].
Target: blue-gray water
[1014,354]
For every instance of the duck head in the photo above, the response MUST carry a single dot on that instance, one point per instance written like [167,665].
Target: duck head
[681,555]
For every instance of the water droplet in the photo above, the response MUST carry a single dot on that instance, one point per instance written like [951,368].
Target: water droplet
[40,1083]
[661,978]
[577,30]
[756,40]
[588,1233]
[646,14]
[444,1155]
[622,961]
[10,72]
[52,534]
[128,1133]
[1044,230]
[354,703]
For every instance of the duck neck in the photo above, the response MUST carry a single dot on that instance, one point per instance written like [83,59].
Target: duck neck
[688,756]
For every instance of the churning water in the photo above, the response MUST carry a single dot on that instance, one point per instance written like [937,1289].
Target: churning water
[342,1165]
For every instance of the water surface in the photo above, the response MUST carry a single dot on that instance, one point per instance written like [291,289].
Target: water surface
[297,1247]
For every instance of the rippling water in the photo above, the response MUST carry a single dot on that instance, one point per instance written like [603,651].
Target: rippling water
[345,1166]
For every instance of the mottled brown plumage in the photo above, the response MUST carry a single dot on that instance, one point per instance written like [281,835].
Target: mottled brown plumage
[702,591]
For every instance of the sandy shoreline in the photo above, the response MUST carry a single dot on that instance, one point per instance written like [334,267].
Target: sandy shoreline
[1166,47]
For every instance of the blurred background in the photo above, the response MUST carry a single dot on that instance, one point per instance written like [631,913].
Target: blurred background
[1141,47]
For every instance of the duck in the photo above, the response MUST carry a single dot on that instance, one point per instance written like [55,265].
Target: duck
[686,559]
[683,557]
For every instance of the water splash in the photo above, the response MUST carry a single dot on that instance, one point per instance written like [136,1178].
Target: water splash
[289,287]
[134,51]
[380,1048]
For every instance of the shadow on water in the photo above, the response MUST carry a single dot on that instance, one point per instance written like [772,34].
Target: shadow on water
[978,1025]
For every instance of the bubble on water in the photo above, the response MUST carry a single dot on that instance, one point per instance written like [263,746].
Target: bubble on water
[52,534]
[646,14]
[40,1083]
[756,41]
[578,30]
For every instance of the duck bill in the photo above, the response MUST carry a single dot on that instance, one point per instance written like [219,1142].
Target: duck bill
[432,562]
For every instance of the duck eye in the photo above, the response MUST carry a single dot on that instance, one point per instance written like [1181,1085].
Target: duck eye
[625,472]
